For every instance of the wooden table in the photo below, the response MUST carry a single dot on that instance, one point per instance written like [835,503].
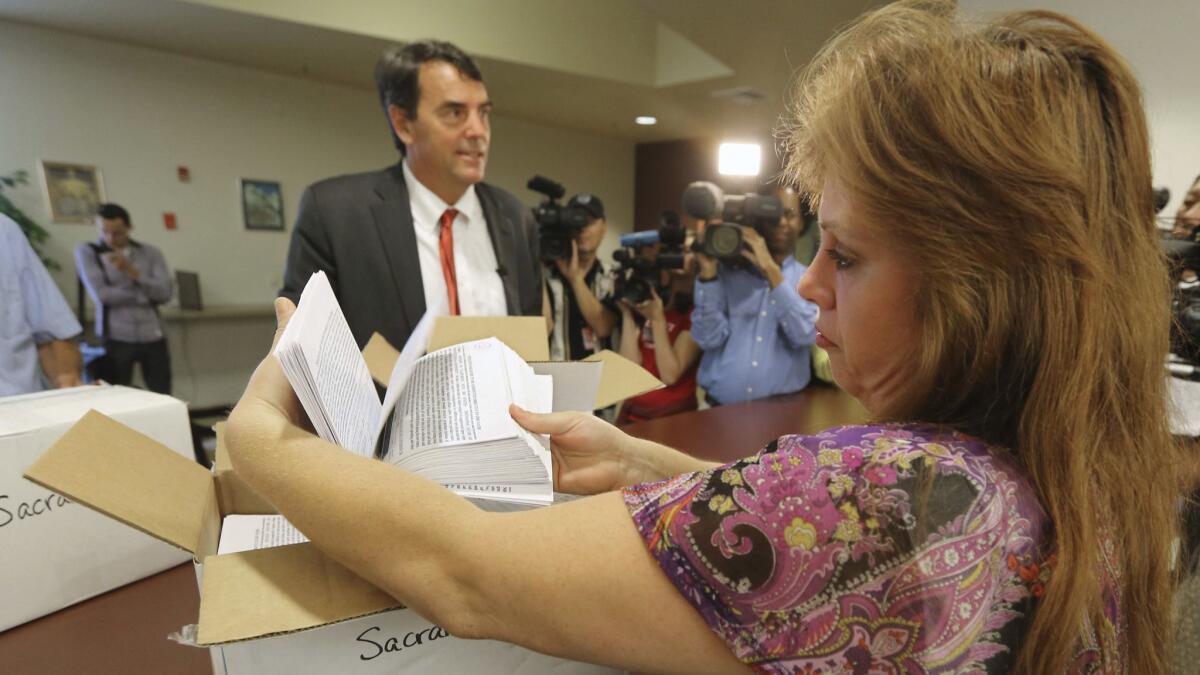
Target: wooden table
[125,630]
[122,631]
[731,432]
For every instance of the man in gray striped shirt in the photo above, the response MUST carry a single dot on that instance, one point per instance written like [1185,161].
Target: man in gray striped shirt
[127,280]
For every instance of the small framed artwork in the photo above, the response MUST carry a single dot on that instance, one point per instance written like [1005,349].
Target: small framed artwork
[262,204]
[73,191]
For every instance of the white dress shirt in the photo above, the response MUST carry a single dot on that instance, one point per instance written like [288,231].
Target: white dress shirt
[480,288]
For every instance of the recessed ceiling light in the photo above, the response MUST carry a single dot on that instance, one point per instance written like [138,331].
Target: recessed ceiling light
[739,159]
[646,120]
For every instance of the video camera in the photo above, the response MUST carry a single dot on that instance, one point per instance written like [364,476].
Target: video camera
[1182,254]
[723,240]
[637,275]
[558,225]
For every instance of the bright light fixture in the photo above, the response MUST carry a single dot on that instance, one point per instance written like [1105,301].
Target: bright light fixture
[646,120]
[739,159]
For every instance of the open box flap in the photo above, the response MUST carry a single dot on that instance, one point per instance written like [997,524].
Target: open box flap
[525,335]
[621,379]
[590,387]
[221,457]
[575,383]
[279,590]
[381,357]
[130,477]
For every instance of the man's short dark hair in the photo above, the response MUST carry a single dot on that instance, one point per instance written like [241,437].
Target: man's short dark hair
[112,211]
[397,70]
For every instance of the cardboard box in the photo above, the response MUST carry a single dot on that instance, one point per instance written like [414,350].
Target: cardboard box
[289,609]
[58,553]
[617,378]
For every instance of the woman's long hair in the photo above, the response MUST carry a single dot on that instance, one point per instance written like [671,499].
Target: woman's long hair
[1008,162]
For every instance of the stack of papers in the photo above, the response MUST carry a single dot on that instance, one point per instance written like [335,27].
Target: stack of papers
[444,415]
[323,364]
[452,424]
[250,533]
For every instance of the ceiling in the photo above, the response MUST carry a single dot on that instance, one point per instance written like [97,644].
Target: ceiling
[590,66]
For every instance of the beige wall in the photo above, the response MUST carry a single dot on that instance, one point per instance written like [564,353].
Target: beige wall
[138,113]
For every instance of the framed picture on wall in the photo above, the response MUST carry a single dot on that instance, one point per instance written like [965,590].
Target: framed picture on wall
[262,204]
[73,191]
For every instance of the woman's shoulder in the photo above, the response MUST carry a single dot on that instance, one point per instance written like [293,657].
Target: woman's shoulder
[891,437]
[954,468]
[772,548]
[950,469]
[904,447]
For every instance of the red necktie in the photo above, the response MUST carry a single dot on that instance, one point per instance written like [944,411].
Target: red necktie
[446,251]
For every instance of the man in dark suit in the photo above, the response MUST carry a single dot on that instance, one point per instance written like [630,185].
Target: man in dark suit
[427,232]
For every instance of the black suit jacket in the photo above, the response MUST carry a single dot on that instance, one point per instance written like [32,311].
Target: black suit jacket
[359,230]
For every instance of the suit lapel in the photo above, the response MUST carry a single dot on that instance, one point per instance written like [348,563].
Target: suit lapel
[394,225]
[500,229]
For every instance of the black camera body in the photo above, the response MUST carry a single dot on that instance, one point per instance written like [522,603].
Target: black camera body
[1182,254]
[1185,303]
[558,225]
[723,240]
[638,276]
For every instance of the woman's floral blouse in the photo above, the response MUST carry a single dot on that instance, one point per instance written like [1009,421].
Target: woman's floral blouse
[861,549]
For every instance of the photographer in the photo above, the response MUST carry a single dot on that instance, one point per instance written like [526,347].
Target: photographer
[580,290]
[754,328]
[1183,251]
[127,281]
[658,336]
[1187,217]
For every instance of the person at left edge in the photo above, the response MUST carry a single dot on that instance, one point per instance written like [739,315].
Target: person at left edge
[379,235]
[36,325]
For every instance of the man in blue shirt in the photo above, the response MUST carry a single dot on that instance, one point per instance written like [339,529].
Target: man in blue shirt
[753,326]
[36,325]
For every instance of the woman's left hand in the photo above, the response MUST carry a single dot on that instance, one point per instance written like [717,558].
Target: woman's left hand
[759,255]
[652,309]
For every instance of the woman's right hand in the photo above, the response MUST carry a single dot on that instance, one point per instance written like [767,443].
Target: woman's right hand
[590,455]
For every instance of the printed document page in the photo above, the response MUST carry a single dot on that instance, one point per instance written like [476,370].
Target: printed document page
[326,369]
[532,392]
[515,467]
[456,395]
[248,533]
[405,364]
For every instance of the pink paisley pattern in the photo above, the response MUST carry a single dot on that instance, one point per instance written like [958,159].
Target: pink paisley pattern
[862,549]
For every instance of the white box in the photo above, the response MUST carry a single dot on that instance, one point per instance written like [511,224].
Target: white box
[284,610]
[395,641]
[55,552]
[398,641]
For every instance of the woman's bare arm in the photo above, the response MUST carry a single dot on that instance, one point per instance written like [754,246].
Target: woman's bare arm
[574,580]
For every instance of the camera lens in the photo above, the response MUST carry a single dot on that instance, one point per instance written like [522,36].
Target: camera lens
[635,291]
[723,241]
[554,246]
